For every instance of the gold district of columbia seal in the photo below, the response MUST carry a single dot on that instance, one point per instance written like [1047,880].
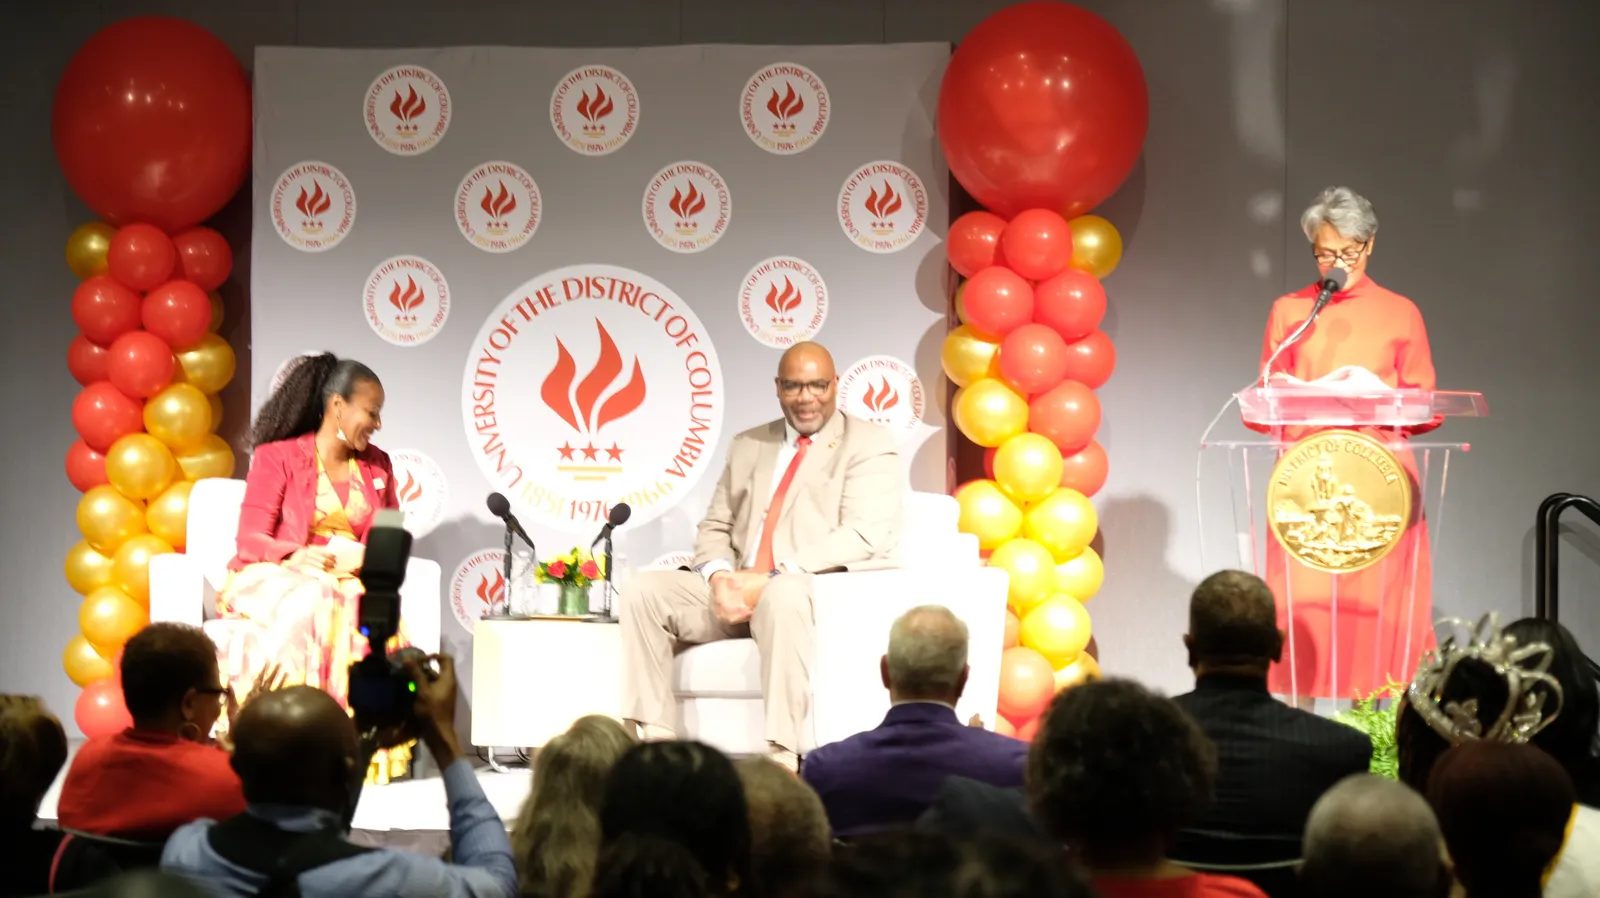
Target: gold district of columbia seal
[1339,501]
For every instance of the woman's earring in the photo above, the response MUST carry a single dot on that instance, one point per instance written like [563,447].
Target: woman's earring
[190,731]
[340,434]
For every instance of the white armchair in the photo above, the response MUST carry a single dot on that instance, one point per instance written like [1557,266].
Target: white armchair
[183,587]
[718,685]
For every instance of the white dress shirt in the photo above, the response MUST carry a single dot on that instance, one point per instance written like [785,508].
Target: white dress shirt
[786,453]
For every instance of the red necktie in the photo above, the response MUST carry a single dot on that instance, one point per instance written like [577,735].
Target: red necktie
[764,548]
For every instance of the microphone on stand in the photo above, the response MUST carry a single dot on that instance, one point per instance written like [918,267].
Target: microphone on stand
[619,515]
[1331,283]
[500,507]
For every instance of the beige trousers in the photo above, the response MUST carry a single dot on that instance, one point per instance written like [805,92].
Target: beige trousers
[664,611]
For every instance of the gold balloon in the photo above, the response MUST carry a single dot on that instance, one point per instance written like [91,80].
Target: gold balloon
[989,412]
[1058,629]
[88,570]
[1096,245]
[216,411]
[83,664]
[1032,571]
[968,357]
[108,618]
[130,568]
[208,365]
[212,458]
[1028,467]
[168,514]
[87,247]
[179,416]
[1084,669]
[987,513]
[140,466]
[216,311]
[108,519]
[1062,522]
[1082,575]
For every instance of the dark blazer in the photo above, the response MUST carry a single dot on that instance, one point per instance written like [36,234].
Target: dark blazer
[1274,761]
[966,809]
[892,774]
[280,497]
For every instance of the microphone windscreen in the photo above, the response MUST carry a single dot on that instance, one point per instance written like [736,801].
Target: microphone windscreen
[620,513]
[499,505]
[1338,277]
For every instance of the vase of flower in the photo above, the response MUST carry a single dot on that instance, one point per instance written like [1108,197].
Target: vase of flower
[572,572]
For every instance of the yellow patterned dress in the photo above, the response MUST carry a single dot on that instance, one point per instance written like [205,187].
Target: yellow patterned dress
[306,619]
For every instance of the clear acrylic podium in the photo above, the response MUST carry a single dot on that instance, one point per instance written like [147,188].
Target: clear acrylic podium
[1231,490]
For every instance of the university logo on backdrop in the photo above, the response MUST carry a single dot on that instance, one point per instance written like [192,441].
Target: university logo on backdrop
[594,110]
[420,485]
[687,207]
[406,300]
[313,206]
[497,207]
[591,385]
[478,584]
[783,301]
[883,207]
[407,110]
[884,390]
[784,108]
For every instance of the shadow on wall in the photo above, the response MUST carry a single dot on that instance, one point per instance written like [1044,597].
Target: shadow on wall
[1135,540]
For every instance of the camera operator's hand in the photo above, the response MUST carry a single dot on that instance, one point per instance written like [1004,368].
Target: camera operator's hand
[435,709]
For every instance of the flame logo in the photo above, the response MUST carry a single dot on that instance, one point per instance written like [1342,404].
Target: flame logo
[785,108]
[783,303]
[499,207]
[406,301]
[407,109]
[581,408]
[880,399]
[882,205]
[410,490]
[686,205]
[491,589]
[313,206]
[595,109]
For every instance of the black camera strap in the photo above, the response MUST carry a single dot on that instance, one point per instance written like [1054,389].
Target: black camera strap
[280,855]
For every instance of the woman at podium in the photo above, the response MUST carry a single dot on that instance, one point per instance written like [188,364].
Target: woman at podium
[1349,634]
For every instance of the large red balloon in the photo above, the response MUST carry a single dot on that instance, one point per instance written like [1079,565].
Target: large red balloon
[178,312]
[1091,359]
[151,122]
[86,468]
[1037,244]
[104,309]
[1085,470]
[87,360]
[1073,303]
[142,364]
[100,711]
[1043,105]
[997,301]
[102,415]
[1033,358]
[1067,415]
[974,242]
[141,256]
[1027,683]
[203,257]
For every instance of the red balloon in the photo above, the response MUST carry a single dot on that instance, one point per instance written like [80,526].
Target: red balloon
[988,461]
[997,300]
[974,242]
[1043,105]
[1085,470]
[1091,359]
[1073,303]
[1027,731]
[1033,358]
[87,360]
[151,122]
[103,415]
[104,309]
[178,312]
[203,257]
[1067,415]
[1027,683]
[100,711]
[1037,244]
[141,256]
[142,364]
[86,468]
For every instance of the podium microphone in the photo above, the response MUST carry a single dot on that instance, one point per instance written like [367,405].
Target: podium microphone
[1331,283]
[620,513]
[500,507]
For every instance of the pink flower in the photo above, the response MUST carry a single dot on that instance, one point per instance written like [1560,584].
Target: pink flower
[556,569]
[590,569]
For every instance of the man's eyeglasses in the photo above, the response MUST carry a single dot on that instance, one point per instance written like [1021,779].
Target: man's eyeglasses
[794,387]
[1349,255]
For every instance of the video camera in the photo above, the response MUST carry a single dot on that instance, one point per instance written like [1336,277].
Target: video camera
[382,692]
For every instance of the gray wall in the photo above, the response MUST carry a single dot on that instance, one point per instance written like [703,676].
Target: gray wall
[1471,127]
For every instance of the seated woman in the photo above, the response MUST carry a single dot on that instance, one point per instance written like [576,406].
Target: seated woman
[314,486]
[1573,737]
[1503,809]
[164,771]
[38,861]
[557,833]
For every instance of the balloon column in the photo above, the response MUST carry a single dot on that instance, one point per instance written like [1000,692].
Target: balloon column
[1042,114]
[151,124]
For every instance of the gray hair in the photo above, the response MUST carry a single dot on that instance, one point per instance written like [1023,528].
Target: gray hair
[1349,213]
[927,651]
[1369,829]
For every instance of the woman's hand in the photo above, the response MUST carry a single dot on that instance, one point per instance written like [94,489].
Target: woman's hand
[316,558]
[270,679]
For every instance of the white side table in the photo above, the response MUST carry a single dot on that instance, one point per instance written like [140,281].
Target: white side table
[532,678]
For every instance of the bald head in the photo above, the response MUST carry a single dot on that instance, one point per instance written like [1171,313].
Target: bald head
[295,746]
[927,658]
[1371,836]
[807,387]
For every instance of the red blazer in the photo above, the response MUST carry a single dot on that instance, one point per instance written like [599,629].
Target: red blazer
[139,785]
[280,497]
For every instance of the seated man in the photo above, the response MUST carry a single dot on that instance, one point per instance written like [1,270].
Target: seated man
[1273,761]
[1372,836]
[301,762]
[892,774]
[817,491]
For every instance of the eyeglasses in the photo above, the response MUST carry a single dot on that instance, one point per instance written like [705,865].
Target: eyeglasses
[794,387]
[1348,255]
[221,691]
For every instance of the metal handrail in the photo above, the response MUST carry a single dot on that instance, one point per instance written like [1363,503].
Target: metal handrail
[1547,554]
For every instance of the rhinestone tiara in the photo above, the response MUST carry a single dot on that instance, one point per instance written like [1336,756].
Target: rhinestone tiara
[1523,668]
